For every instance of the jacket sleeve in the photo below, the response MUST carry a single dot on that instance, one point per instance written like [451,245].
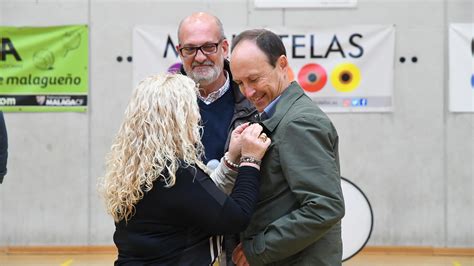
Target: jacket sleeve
[3,148]
[309,162]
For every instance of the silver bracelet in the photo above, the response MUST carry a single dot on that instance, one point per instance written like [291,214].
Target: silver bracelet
[250,159]
[229,162]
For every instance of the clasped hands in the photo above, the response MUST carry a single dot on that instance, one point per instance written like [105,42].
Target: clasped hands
[248,140]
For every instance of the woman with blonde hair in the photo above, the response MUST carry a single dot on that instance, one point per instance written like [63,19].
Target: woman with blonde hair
[166,208]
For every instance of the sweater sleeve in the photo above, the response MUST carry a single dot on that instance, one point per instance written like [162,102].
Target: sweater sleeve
[224,177]
[214,211]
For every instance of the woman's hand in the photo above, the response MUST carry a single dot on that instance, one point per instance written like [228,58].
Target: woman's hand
[235,144]
[254,143]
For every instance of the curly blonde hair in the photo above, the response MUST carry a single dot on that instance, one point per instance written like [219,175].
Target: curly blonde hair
[160,130]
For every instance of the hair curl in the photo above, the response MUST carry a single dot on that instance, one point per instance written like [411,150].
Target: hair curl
[160,130]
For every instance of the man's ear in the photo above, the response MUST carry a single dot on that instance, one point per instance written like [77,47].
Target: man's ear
[225,48]
[282,62]
[177,50]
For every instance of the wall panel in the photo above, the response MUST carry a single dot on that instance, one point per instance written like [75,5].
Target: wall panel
[415,164]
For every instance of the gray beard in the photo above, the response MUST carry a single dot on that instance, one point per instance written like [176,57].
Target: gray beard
[204,79]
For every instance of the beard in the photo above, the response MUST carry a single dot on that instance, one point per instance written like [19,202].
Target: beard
[206,73]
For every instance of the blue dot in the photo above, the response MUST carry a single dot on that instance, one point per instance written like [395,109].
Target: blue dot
[472,81]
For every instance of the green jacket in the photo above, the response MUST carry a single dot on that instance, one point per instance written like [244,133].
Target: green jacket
[297,218]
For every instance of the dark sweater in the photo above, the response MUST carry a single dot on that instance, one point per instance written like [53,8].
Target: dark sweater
[175,226]
[216,118]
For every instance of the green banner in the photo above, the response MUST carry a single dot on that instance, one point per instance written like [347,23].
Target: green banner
[44,69]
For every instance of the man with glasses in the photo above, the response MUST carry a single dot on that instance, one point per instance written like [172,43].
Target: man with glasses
[203,49]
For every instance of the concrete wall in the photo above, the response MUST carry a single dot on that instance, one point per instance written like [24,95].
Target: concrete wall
[414,164]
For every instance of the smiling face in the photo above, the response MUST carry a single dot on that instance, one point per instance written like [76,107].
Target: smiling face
[202,30]
[258,80]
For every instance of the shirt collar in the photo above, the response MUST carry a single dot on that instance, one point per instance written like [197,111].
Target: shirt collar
[270,109]
[213,96]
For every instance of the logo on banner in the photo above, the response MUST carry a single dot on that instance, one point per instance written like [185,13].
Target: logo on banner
[43,59]
[40,99]
[312,77]
[345,77]
[71,41]
[356,102]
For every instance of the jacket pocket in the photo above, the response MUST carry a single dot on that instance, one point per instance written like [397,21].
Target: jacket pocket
[259,243]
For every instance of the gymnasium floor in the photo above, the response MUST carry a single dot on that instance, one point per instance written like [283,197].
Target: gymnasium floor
[359,260]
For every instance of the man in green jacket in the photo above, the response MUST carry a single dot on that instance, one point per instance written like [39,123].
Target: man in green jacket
[297,220]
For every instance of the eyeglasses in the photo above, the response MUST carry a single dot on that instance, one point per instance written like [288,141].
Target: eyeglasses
[207,49]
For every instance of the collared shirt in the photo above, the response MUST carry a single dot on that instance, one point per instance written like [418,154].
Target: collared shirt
[270,109]
[213,96]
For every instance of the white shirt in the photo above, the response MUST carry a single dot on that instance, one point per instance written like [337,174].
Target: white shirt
[213,96]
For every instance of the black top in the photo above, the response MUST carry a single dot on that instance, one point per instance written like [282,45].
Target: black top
[178,225]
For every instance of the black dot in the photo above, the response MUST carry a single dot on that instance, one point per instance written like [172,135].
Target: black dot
[346,77]
[414,59]
[119,59]
[129,58]
[402,59]
[312,77]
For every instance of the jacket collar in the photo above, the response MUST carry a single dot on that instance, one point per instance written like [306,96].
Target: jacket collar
[287,99]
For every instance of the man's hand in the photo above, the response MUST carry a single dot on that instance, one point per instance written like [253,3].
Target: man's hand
[238,256]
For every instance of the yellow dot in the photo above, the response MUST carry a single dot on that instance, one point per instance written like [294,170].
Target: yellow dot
[345,77]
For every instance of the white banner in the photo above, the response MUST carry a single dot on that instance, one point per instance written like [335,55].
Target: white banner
[461,68]
[346,69]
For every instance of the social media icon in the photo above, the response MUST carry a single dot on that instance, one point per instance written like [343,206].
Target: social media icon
[346,102]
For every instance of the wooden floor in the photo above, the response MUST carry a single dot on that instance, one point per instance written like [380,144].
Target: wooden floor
[408,260]
[358,260]
[361,259]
